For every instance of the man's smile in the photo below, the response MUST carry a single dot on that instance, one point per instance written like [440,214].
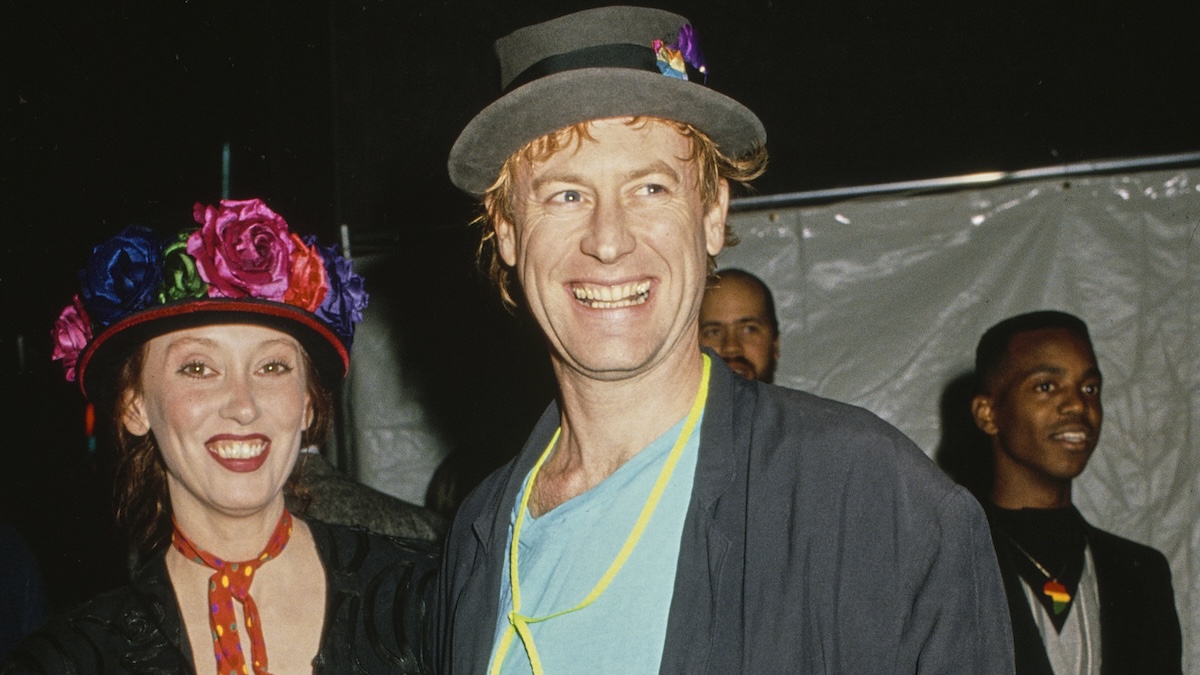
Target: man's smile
[1074,434]
[611,297]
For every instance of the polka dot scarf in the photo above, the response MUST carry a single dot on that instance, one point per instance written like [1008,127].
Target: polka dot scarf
[232,580]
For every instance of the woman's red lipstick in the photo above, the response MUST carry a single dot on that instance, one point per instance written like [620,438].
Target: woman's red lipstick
[240,454]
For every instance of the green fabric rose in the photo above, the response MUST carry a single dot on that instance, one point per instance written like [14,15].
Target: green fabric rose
[181,280]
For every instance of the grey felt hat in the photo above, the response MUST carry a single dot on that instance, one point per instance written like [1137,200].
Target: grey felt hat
[594,64]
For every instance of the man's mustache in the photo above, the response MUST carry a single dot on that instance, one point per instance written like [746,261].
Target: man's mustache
[741,360]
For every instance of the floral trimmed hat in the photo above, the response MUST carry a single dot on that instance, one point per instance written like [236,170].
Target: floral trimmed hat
[241,265]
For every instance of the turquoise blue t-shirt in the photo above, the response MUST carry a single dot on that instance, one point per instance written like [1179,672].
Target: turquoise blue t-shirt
[564,553]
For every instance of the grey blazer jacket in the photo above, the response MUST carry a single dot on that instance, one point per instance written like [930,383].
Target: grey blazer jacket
[818,539]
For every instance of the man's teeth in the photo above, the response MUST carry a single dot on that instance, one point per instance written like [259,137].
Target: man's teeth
[239,450]
[609,297]
[1073,436]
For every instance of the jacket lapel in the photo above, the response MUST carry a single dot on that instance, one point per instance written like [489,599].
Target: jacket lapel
[1114,581]
[478,600]
[157,635]
[714,521]
[1029,649]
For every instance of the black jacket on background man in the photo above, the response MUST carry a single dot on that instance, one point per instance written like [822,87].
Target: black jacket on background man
[1139,628]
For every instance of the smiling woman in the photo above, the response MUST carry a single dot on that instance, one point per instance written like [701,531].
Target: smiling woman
[227,404]
[211,357]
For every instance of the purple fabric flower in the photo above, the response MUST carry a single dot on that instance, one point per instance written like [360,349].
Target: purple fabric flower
[347,297]
[689,46]
[241,249]
[72,331]
[122,276]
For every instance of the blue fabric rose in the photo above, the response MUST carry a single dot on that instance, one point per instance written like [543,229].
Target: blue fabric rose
[122,276]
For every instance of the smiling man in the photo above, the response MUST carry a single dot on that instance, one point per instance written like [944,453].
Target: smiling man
[667,515]
[1082,600]
[738,322]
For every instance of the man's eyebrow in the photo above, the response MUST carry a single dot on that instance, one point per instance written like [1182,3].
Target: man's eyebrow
[655,167]
[1051,369]
[541,181]
[1042,369]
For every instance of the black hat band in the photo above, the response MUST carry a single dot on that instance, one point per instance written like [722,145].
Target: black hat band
[601,56]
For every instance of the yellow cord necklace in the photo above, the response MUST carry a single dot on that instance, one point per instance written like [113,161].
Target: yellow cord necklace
[518,624]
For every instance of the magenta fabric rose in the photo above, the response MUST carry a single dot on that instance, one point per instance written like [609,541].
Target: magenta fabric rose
[241,249]
[308,284]
[72,331]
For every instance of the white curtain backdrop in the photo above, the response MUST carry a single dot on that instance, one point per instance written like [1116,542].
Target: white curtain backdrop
[394,446]
[882,300]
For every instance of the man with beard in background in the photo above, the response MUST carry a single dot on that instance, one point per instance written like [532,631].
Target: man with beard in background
[738,322]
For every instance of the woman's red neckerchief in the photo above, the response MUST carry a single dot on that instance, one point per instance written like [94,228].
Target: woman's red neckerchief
[232,580]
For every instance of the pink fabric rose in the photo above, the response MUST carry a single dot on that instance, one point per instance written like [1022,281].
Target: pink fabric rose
[241,249]
[72,331]
[308,282]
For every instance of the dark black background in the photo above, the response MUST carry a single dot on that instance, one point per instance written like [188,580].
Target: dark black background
[343,113]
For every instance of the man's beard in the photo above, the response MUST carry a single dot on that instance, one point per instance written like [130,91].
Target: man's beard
[743,367]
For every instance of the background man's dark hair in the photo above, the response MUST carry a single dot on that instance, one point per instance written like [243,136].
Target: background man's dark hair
[768,298]
[993,346]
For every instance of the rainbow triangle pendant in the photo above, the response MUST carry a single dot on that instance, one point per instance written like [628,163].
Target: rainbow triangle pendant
[1058,595]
